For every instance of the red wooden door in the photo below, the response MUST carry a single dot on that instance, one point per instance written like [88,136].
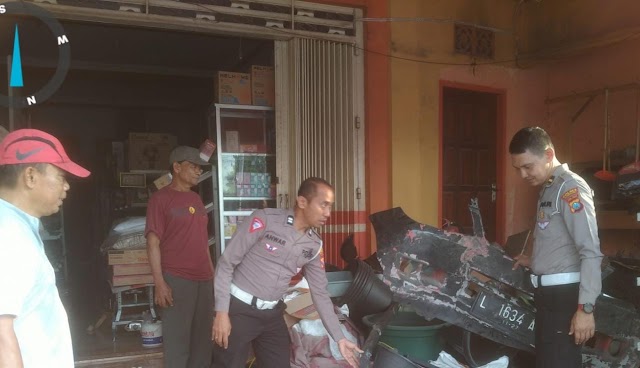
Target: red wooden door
[469,157]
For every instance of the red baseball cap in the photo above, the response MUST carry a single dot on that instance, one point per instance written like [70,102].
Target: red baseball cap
[32,146]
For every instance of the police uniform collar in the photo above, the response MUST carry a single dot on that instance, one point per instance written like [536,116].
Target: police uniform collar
[313,234]
[557,171]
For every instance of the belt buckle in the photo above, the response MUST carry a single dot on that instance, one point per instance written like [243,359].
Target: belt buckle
[534,280]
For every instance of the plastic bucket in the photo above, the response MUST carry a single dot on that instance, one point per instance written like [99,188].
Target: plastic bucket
[151,333]
[367,294]
[411,335]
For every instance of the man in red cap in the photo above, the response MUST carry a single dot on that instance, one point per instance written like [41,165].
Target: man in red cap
[34,329]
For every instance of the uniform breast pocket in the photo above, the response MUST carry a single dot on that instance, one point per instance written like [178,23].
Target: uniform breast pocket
[545,221]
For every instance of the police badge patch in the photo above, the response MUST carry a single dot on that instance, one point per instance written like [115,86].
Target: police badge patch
[256,225]
[572,197]
[270,247]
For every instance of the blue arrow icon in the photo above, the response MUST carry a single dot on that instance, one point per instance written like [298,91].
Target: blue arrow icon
[16,63]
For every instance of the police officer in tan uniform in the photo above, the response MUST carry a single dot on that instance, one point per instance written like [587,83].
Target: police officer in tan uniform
[254,272]
[566,254]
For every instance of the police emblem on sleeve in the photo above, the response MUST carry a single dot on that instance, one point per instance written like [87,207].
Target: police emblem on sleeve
[256,225]
[572,198]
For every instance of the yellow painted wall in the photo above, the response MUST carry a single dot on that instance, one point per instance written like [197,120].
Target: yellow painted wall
[415,89]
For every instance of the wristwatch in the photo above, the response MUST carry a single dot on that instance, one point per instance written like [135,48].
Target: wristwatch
[587,308]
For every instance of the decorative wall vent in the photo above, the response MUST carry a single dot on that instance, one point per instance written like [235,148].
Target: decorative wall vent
[474,41]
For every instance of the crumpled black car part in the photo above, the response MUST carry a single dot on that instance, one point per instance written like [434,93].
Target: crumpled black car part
[469,282]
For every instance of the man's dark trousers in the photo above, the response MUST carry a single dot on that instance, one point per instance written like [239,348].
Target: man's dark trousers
[186,326]
[264,329]
[555,308]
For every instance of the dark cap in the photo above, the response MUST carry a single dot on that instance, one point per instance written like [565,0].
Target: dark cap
[186,153]
[32,146]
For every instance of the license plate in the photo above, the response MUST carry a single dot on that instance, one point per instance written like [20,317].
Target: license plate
[505,316]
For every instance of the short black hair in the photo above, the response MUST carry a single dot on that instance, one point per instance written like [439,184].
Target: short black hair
[309,187]
[9,174]
[533,139]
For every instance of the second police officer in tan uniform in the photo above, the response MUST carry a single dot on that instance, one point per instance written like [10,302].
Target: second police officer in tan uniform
[566,254]
[254,272]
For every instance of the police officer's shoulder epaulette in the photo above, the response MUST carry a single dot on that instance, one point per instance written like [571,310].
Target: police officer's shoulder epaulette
[550,180]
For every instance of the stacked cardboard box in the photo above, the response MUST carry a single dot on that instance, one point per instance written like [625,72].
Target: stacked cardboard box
[256,87]
[129,267]
[233,88]
[263,87]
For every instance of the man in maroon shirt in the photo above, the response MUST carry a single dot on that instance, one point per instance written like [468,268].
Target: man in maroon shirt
[177,244]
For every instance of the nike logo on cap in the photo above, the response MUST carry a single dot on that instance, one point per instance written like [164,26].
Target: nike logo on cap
[22,156]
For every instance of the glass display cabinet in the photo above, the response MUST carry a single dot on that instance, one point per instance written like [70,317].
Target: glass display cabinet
[246,141]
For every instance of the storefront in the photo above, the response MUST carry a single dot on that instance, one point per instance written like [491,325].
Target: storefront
[150,67]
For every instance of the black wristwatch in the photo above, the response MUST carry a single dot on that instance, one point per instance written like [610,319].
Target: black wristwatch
[587,308]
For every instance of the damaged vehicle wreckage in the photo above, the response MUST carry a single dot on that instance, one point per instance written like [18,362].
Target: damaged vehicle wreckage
[469,282]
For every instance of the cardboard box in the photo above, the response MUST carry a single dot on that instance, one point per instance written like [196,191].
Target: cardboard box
[127,256]
[150,151]
[302,307]
[263,85]
[233,88]
[131,269]
[131,280]
[290,321]
[162,181]
[207,148]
